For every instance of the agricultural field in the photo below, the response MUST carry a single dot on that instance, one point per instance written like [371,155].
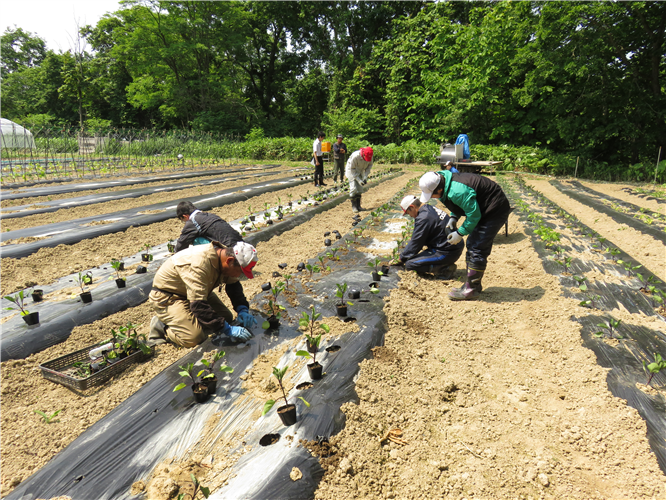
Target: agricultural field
[539,389]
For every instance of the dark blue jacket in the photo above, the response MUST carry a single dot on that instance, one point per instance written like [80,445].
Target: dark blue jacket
[430,231]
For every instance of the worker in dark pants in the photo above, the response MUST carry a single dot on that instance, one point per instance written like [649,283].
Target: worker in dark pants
[430,229]
[318,157]
[339,158]
[486,210]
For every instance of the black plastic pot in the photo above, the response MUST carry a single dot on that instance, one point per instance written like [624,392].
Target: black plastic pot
[171,248]
[86,297]
[300,266]
[273,322]
[354,294]
[211,384]
[338,236]
[287,414]
[265,287]
[283,265]
[327,242]
[146,257]
[200,392]
[315,370]
[312,348]
[141,269]
[376,276]
[253,217]
[269,222]
[385,270]
[327,233]
[121,267]
[31,319]
[121,283]
[276,274]
[37,295]
[374,285]
[342,310]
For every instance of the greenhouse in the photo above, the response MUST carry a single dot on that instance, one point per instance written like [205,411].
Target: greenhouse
[15,136]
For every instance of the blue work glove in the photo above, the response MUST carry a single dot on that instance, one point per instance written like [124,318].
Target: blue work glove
[245,318]
[236,332]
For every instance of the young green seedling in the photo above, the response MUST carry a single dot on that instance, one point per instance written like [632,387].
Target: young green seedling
[171,248]
[127,340]
[312,269]
[565,262]
[197,488]
[115,264]
[653,368]
[83,280]
[375,265]
[340,294]
[279,375]
[313,343]
[308,321]
[611,325]
[147,253]
[19,300]
[614,252]
[275,309]
[188,371]
[210,365]
[83,370]
[47,419]
[321,261]
[628,267]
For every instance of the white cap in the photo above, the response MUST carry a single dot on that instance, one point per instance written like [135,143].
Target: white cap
[428,183]
[246,255]
[406,202]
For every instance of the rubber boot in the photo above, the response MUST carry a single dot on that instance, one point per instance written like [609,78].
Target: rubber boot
[157,333]
[471,289]
[353,204]
[358,203]
[444,272]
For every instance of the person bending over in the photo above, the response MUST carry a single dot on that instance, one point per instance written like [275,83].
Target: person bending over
[187,310]
[429,230]
[201,228]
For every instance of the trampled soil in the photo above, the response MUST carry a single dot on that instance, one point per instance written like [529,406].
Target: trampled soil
[495,398]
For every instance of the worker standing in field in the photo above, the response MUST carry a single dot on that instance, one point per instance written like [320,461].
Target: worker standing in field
[357,171]
[183,297]
[202,228]
[430,229]
[339,156]
[318,158]
[486,210]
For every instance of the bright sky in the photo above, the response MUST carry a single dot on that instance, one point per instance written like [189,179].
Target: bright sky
[54,20]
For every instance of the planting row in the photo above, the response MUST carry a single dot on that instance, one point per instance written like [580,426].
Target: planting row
[633,352]
[175,429]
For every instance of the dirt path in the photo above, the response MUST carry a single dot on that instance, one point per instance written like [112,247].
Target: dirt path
[35,443]
[495,399]
[641,247]
[616,191]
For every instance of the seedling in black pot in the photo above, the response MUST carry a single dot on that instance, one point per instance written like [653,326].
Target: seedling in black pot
[199,388]
[273,321]
[314,368]
[171,248]
[210,379]
[307,321]
[376,274]
[37,295]
[127,341]
[147,256]
[287,413]
[83,280]
[19,301]
[120,281]
[341,305]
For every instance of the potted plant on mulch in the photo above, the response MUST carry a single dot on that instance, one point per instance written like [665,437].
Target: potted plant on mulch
[307,321]
[287,412]
[37,295]
[210,379]
[314,368]
[273,321]
[376,274]
[120,281]
[147,256]
[341,306]
[171,248]
[199,388]
[18,300]
[84,280]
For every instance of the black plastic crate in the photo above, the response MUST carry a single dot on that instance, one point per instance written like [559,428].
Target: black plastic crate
[51,369]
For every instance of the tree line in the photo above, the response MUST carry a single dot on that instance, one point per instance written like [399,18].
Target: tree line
[582,78]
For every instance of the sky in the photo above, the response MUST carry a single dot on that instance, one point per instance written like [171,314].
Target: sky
[54,20]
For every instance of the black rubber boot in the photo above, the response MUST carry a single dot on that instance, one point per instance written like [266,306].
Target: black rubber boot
[358,203]
[472,287]
[354,206]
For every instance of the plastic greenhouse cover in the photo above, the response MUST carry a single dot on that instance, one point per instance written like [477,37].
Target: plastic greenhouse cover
[73,231]
[156,424]
[13,212]
[57,319]
[104,184]
[625,359]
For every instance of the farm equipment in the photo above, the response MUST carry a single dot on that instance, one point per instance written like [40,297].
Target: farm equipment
[454,153]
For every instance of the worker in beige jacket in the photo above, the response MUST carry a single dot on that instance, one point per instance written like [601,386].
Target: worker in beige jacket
[183,298]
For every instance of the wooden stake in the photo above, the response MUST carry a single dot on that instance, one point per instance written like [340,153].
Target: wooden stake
[576,174]
[656,169]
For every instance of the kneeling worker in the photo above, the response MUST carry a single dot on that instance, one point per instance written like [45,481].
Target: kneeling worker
[186,307]
[202,228]
[430,229]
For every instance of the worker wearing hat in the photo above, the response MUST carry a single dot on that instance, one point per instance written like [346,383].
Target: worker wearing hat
[186,308]
[486,210]
[357,172]
[339,156]
[430,229]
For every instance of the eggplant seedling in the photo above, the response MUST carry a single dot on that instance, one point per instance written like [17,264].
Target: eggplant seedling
[609,326]
[116,265]
[564,262]
[274,307]
[83,370]
[46,418]
[614,252]
[340,294]
[210,365]
[628,267]
[146,256]
[321,261]
[279,375]
[590,298]
[375,264]
[171,248]
[127,340]
[84,280]
[197,488]
[312,269]
[19,301]
[653,368]
[188,371]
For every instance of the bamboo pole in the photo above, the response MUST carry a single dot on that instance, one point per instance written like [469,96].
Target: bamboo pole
[656,169]
[576,173]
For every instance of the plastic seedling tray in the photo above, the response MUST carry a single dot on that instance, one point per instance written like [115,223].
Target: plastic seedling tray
[53,370]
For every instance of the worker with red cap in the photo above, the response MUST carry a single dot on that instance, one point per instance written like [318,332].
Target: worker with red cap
[357,172]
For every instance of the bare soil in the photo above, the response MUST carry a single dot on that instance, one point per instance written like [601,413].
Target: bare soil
[495,398]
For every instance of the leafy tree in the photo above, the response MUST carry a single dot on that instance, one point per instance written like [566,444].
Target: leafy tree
[20,50]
